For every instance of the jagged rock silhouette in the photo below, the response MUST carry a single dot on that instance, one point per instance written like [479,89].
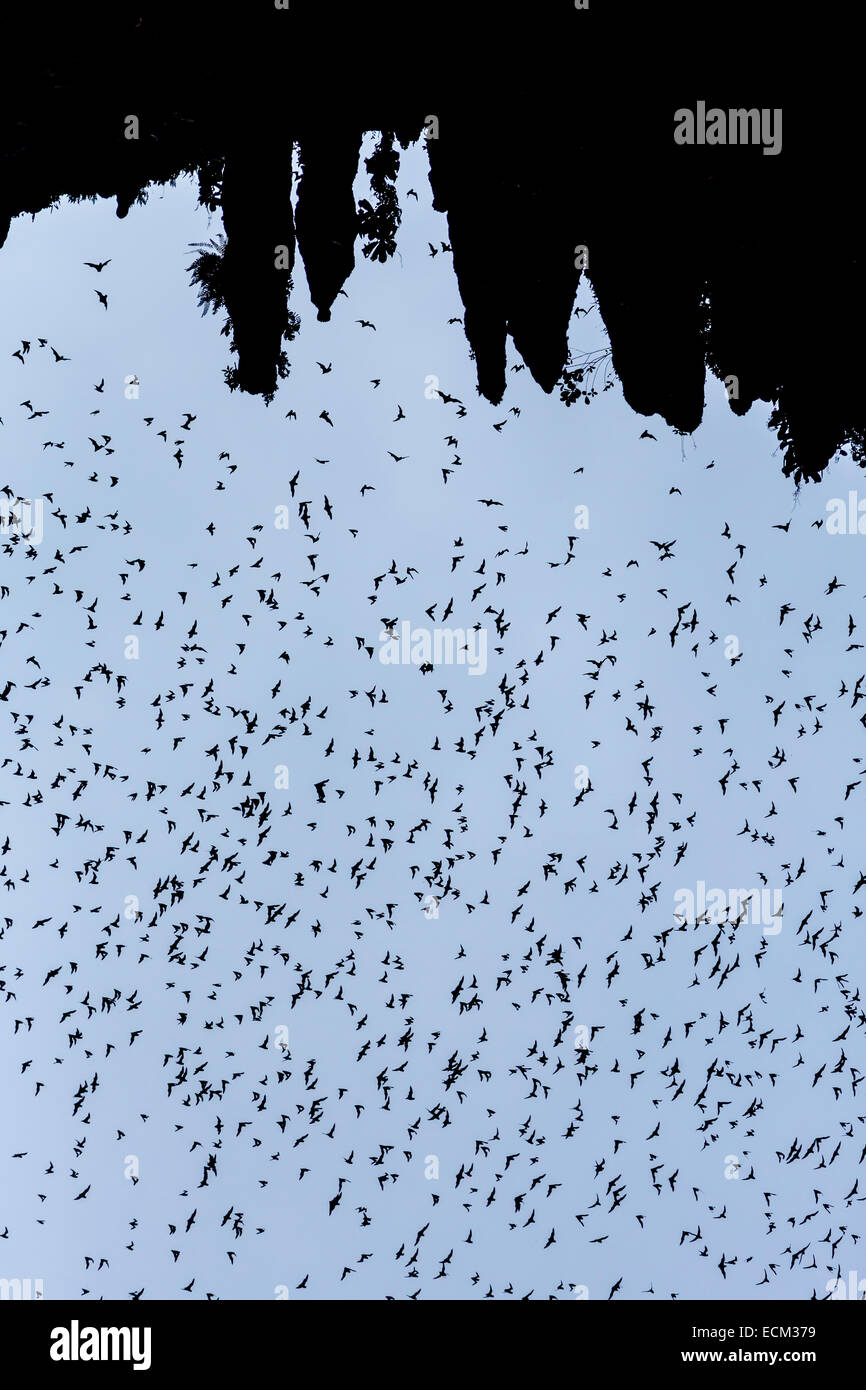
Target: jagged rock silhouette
[553,130]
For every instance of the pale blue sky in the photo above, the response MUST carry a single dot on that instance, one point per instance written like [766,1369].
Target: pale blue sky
[153,329]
